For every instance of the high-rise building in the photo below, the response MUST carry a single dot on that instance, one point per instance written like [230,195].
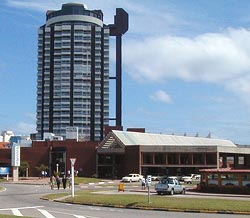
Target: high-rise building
[73,71]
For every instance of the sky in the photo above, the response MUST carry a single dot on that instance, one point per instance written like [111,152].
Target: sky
[186,65]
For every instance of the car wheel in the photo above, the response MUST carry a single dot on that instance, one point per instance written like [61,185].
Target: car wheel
[172,192]
[159,193]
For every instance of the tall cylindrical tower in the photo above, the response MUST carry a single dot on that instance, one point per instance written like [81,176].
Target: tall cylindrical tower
[73,72]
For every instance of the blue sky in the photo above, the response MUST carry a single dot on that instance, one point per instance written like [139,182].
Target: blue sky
[186,65]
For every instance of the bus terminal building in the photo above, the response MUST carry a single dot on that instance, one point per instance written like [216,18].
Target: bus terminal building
[123,152]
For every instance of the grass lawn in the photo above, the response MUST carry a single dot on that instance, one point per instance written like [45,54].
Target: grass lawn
[2,180]
[159,202]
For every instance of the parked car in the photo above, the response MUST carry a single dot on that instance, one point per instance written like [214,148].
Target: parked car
[189,179]
[132,177]
[169,186]
[155,178]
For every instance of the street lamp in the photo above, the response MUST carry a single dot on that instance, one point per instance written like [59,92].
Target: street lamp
[72,160]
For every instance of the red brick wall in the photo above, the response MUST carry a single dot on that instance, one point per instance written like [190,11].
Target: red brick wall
[132,159]
[84,152]
[5,157]
[36,155]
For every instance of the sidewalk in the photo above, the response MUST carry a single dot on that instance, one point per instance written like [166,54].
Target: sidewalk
[30,180]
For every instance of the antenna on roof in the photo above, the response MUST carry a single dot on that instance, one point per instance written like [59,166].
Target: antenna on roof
[197,134]
[209,135]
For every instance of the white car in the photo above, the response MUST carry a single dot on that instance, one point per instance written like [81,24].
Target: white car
[187,179]
[132,177]
[191,178]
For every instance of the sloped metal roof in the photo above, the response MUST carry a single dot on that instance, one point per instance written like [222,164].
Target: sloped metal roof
[137,138]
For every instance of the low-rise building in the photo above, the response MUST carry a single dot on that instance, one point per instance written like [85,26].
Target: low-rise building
[122,152]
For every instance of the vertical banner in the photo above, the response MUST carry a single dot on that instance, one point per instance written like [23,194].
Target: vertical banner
[15,156]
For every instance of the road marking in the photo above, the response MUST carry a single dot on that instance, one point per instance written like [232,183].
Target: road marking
[20,208]
[45,213]
[78,216]
[16,212]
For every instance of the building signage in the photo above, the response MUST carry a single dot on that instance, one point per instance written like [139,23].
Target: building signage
[4,170]
[15,156]
[72,132]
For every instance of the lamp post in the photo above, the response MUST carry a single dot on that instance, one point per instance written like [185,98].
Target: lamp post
[72,160]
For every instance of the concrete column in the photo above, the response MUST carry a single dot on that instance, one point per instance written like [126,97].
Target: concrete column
[15,174]
[224,160]
[236,161]
[218,159]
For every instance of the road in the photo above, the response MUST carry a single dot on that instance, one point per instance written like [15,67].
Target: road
[24,200]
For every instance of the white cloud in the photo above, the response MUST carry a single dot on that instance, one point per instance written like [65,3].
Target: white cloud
[161,96]
[218,58]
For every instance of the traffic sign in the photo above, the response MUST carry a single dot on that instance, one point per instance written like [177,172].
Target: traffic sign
[73,160]
[149,179]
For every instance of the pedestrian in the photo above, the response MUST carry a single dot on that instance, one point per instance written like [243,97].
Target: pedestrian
[64,181]
[70,181]
[143,183]
[58,182]
[52,182]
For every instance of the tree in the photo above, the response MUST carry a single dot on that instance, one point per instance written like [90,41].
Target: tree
[23,167]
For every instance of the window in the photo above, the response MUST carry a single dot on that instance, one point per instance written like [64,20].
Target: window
[198,158]
[160,158]
[173,158]
[147,158]
[184,159]
[211,158]
[230,179]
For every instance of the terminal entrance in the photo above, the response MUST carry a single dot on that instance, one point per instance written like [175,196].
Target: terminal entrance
[57,161]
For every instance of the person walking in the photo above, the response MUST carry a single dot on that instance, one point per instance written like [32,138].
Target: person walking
[64,181]
[58,182]
[143,183]
[52,182]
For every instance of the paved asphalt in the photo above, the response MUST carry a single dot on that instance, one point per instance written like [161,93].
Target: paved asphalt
[20,199]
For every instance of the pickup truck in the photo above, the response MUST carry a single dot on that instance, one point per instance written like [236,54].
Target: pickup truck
[169,186]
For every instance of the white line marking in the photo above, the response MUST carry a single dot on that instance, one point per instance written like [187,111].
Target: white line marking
[46,213]
[78,216]
[16,212]
[19,208]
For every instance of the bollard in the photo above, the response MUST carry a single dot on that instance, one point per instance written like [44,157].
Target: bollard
[121,187]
